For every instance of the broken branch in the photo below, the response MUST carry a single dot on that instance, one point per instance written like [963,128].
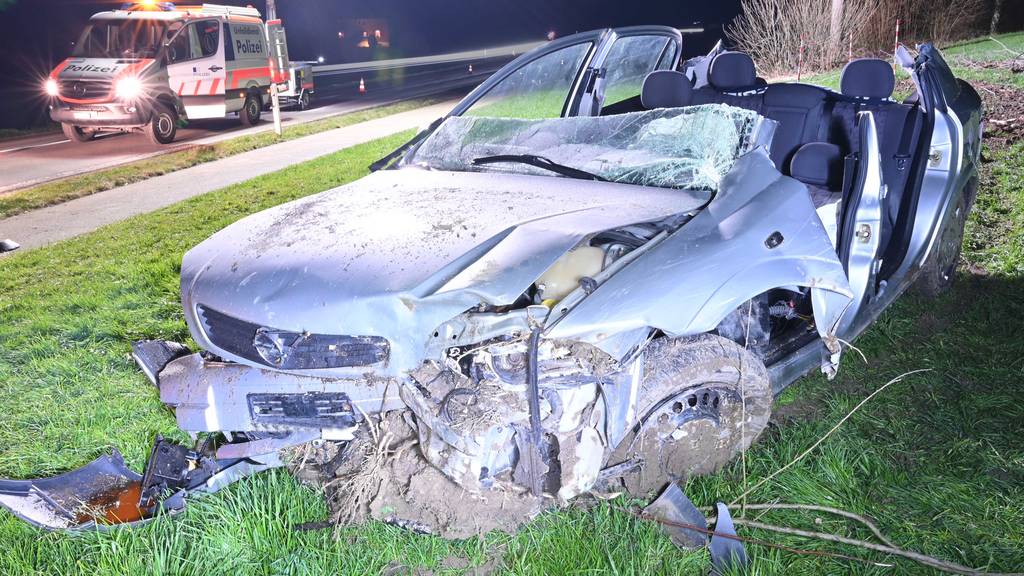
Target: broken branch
[943,565]
[768,478]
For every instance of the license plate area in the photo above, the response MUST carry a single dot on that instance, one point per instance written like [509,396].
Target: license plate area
[308,410]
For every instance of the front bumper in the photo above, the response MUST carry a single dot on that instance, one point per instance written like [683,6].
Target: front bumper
[217,396]
[104,115]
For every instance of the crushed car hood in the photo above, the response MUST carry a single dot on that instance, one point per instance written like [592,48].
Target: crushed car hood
[401,251]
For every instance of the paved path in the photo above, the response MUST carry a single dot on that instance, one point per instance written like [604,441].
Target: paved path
[55,223]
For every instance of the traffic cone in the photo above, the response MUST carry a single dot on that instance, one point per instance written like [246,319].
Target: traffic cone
[362,86]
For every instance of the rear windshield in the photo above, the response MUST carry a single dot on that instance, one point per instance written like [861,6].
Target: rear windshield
[134,38]
[692,147]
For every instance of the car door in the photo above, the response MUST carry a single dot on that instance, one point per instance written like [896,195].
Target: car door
[543,83]
[196,69]
[947,159]
[621,64]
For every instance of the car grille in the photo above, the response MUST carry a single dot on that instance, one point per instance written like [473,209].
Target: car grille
[315,351]
[85,89]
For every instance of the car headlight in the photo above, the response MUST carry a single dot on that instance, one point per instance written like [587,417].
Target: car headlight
[274,345]
[129,88]
[305,351]
[51,87]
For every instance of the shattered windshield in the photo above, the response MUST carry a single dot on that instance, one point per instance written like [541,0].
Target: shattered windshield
[692,147]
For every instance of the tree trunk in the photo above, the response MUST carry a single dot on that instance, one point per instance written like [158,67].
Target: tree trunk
[993,29]
[836,31]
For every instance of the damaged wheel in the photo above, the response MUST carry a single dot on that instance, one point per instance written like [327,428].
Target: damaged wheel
[939,270]
[703,400]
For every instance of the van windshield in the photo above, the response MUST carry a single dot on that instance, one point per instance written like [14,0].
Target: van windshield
[134,38]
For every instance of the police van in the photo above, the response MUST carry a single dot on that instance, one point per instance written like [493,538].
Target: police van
[152,66]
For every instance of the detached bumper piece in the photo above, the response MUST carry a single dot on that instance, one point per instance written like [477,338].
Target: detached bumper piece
[103,492]
[106,493]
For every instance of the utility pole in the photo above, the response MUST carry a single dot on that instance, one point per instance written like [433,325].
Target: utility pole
[275,101]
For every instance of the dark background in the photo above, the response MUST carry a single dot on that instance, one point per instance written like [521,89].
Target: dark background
[37,34]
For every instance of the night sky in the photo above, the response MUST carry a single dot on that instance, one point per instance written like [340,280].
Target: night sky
[37,34]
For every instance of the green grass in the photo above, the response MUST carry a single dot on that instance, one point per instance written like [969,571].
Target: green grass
[58,191]
[937,460]
[987,48]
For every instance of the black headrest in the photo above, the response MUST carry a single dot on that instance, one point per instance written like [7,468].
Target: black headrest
[666,89]
[867,78]
[819,164]
[732,71]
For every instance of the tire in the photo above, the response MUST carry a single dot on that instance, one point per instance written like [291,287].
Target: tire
[163,124]
[939,271]
[76,133]
[249,115]
[304,101]
[692,397]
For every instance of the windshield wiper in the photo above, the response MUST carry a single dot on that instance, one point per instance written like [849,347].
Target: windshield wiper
[539,162]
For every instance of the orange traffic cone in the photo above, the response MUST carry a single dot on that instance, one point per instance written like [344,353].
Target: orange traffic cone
[362,86]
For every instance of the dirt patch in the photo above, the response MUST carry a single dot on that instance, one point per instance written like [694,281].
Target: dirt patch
[1004,113]
[385,477]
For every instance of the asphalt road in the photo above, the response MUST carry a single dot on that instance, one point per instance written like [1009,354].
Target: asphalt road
[33,160]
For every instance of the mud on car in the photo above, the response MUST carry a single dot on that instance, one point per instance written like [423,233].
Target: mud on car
[593,274]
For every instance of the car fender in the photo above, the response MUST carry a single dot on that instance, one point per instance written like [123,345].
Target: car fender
[760,232]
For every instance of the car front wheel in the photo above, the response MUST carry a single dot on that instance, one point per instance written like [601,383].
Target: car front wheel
[163,125]
[703,400]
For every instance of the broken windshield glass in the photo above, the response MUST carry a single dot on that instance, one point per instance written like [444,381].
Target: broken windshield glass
[692,147]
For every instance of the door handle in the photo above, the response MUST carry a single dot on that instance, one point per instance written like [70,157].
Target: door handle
[215,68]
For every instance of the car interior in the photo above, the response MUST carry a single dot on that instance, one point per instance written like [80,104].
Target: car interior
[816,138]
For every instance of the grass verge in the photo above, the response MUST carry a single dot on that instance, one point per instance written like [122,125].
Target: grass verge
[58,191]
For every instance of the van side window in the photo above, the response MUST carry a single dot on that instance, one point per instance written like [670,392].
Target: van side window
[179,48]
[209,37]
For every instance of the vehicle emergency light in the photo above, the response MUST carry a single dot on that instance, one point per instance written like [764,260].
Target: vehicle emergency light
[148,5]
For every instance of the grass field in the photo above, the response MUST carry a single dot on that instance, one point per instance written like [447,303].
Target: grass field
[937,459]
[58,191]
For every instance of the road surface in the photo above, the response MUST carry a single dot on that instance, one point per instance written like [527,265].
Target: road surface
[54,223]
[33,160]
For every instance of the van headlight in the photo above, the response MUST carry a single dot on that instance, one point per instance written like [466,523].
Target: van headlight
[129,88]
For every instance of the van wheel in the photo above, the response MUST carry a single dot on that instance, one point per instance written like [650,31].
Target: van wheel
[304,101]
[76,133]
[163,125]
[938,272]
[703,401]
[250,112]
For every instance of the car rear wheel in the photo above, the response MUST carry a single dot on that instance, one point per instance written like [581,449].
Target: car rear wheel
[163,125]
[704,400]
[939,270]
[250,112]
[77,133]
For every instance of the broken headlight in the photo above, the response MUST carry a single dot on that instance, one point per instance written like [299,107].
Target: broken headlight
[305,351]
[290,350]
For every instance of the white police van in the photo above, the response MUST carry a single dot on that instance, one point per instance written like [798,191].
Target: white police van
[151,65]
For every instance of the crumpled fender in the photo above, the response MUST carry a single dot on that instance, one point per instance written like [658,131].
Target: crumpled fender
[727,254]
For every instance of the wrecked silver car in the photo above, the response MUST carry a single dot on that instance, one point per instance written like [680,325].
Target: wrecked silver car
[593,274]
